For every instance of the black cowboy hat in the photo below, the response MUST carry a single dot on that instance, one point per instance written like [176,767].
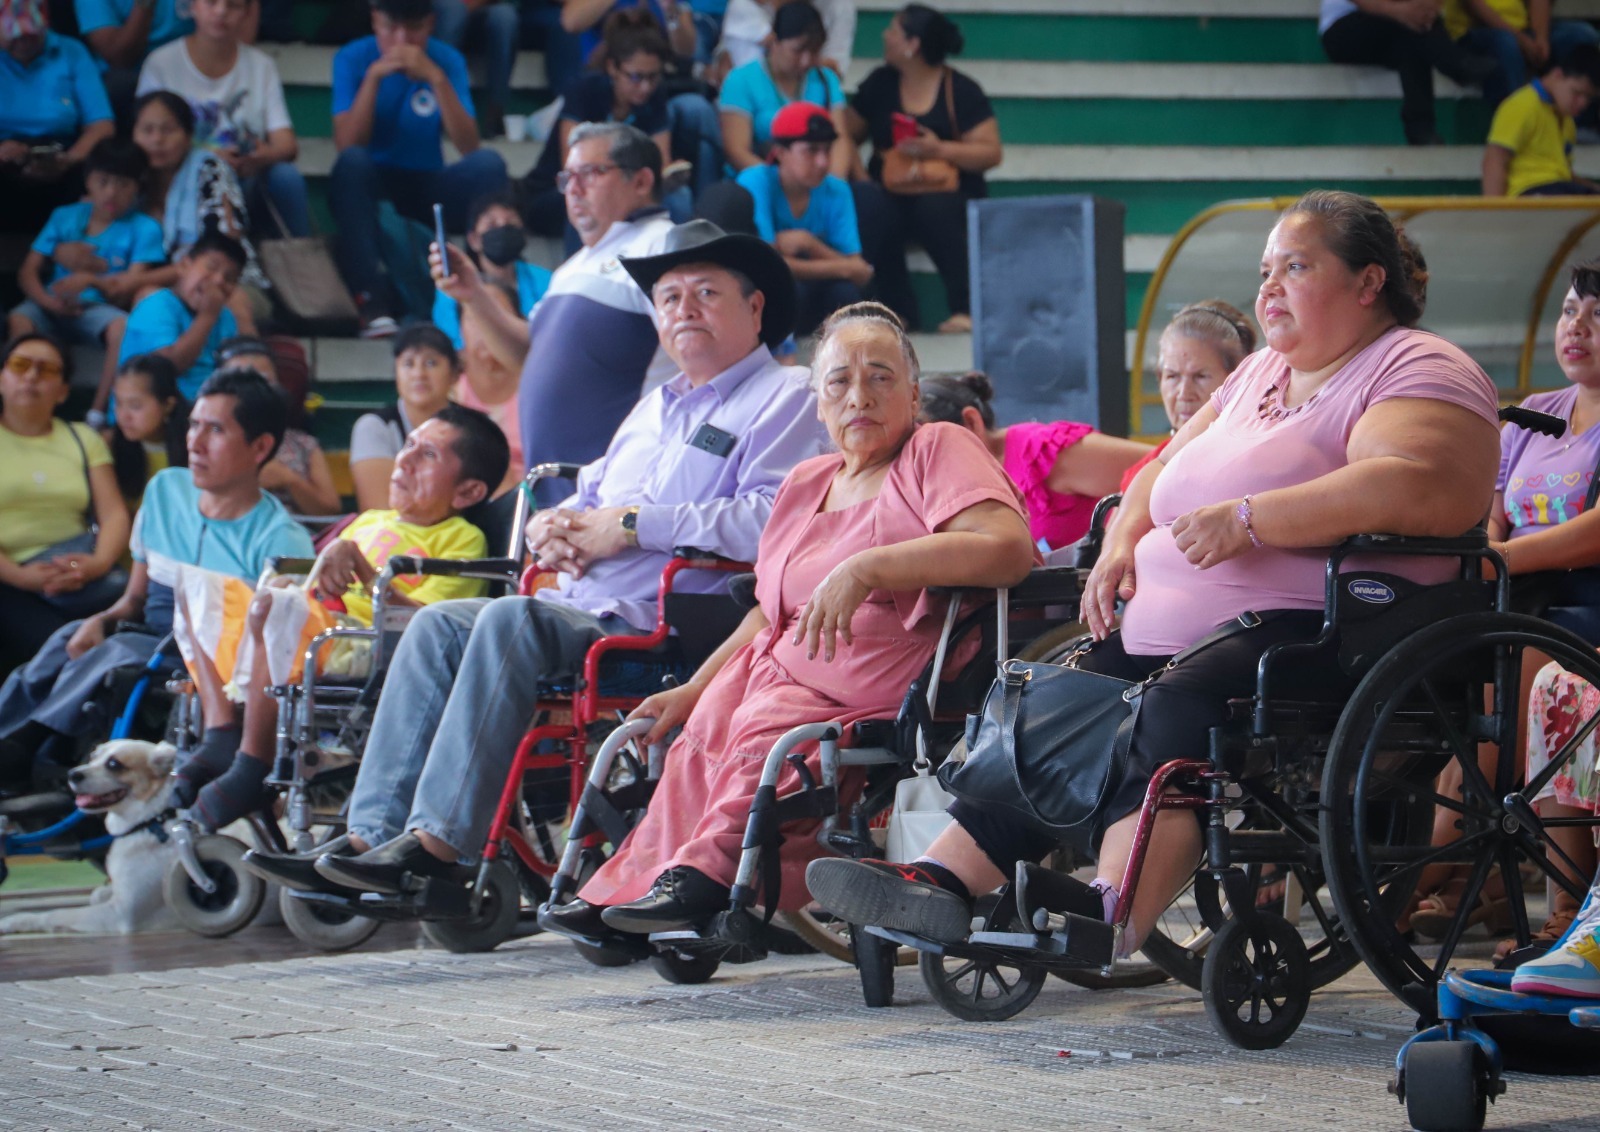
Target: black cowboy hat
[700,241]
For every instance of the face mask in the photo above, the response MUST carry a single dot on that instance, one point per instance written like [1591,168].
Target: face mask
[503,245]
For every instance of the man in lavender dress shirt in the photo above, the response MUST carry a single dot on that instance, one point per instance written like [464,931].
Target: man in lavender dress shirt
[697,463]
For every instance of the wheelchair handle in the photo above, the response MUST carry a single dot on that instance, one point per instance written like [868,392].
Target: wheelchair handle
[553,470]
[489,569]
[1534,421]
[287,564]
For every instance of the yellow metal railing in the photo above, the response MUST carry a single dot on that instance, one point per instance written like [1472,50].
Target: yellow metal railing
[1407,209]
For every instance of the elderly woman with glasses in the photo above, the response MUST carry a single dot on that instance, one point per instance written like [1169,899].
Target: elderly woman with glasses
[63,523]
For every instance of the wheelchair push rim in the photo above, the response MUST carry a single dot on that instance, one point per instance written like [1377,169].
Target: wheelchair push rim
[1420,709]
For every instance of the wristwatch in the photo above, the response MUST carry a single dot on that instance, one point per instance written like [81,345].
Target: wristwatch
[630,525]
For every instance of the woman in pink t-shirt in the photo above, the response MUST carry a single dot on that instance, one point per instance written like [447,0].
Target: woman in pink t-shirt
[1062,468]
[1349,421]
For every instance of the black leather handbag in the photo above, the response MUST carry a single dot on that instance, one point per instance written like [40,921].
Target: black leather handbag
[1051,742]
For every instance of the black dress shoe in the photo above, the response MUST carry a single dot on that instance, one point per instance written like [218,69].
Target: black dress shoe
[680,898]
[297,870]
[394,867]
[574,918]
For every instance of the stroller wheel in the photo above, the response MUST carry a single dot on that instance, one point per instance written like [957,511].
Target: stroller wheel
[1256,981]
[237,897]
[324,927]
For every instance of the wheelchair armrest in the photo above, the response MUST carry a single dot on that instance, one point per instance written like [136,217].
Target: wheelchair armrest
[488,569]
[137,627]
[286,564]
[1533,420]
[1471,542]
[1049,585]
[554,469]
[695,554]
[742,589]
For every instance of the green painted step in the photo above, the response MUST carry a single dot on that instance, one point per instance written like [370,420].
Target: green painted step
[1118,121]
[1169,39]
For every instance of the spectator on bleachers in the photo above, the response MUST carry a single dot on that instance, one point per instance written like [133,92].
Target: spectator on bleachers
[488,384]
[212,514]
[63,523]
[53,111]
[298,474]
[81,274]
[747,23]
[794,203]
[1409,38]
[426,365]
[398,94]
[121,33]
[788,72]
[1062,468]
[1529,152]
[189,190]
[944,117]
[591,345]
[489,27]
[185,323]
[1519,35]
[240,113]
[152,431]
[624,85]
[581,27]
[495,241]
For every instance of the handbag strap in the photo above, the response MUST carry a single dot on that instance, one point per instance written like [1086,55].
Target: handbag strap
[950,105]
[90,518]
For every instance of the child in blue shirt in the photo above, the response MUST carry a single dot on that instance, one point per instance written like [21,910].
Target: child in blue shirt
[84,268]
[397,94]
[808,214]
[187,322]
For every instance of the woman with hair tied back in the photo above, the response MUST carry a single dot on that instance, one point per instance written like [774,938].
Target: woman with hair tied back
[1350,421]
[1062,468]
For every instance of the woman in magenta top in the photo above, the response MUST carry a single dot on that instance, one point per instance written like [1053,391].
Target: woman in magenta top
[1062,468]
[1349,421]
[845,623]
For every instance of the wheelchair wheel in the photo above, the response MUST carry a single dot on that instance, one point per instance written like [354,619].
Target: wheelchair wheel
[1419,710]
[238,896]
[1446,1087]
[604,956]
[1256,981]
[875,963]
[323,927]
[983,990]
[496,919]
[686,968]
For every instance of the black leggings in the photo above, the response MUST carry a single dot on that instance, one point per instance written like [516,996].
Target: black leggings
[1175,720]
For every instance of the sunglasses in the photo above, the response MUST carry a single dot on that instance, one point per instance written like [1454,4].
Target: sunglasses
[21,366]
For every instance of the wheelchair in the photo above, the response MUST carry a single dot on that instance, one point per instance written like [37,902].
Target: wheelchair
[480,907]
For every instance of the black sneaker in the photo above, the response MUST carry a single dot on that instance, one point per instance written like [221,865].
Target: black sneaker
[900,897]
[680,898]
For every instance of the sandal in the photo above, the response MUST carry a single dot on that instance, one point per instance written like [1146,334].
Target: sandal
[1436,911]
[1509,955]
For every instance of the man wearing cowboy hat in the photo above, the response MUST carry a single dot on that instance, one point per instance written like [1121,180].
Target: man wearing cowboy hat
[697,463]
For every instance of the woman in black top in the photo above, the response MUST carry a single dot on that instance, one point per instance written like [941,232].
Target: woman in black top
[955,124]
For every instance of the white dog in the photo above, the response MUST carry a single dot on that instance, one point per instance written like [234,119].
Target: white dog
[129,781]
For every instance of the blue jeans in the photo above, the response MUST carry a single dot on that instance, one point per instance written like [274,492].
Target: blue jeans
[697,137]
[284,186]
[358,182]
[1502,46]
[458,697]
[492,27]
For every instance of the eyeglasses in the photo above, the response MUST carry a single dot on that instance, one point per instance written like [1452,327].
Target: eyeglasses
[21,366]
[584,175]
[642,78]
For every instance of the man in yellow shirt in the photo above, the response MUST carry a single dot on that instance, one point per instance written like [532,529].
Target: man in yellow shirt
[1531,139]
[448,463]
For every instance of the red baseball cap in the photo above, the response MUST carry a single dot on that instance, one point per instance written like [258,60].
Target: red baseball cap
[803,121]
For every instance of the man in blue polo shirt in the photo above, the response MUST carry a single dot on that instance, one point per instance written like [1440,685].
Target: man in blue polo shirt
[212,514]
[53,111]
[397,94]
[121,33]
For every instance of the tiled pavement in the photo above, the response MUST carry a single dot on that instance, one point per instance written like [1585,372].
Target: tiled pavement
[532,1037]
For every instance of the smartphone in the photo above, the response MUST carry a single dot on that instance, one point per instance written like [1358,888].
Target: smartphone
[438,238]
[903,126]
[49,150]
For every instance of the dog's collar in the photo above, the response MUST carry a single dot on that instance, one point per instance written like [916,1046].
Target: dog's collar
[156,827]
